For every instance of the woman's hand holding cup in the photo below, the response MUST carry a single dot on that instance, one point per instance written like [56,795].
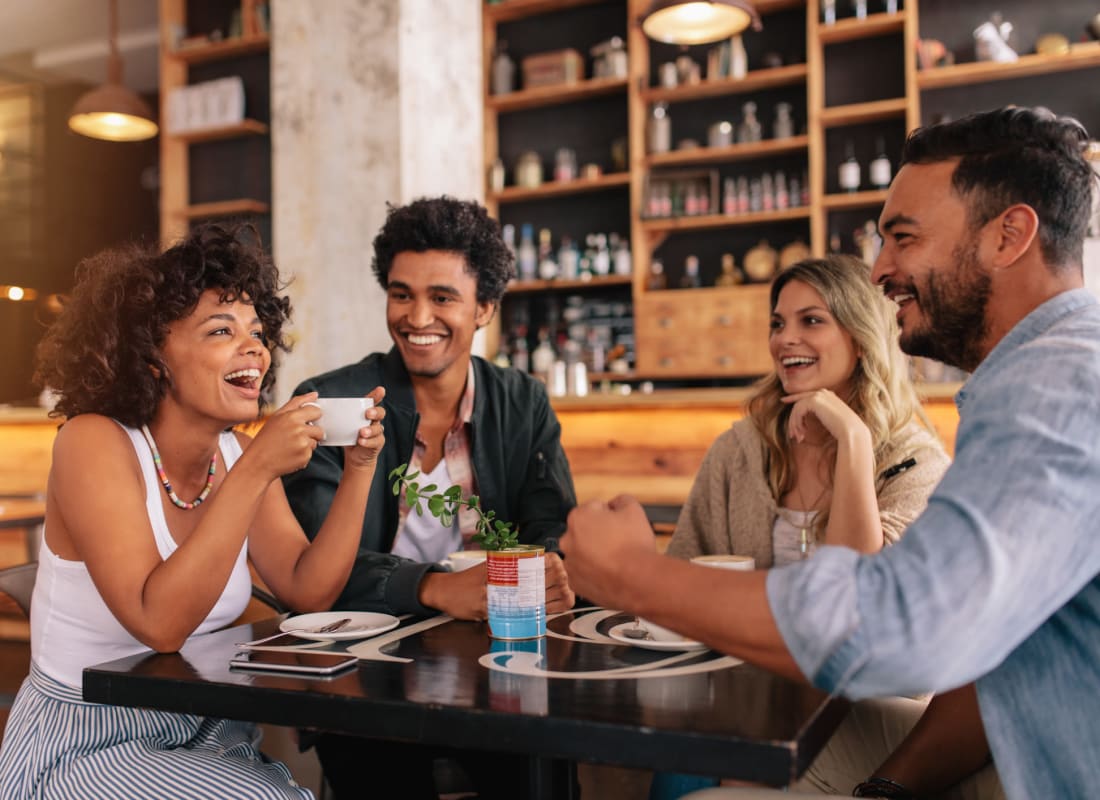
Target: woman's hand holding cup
[288,438]
[364,453]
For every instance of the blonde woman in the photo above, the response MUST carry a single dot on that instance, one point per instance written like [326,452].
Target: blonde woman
[835,449]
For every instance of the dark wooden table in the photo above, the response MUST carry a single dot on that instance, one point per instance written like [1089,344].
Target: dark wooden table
[444,682]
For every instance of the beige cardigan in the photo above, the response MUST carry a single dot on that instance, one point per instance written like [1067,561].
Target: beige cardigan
[731,508]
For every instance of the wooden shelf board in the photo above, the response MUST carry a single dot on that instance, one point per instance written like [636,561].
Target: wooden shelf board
[511,10]
[764,7]
[225,208]
[734,152]
[523,287]
[227,48]
[675,224]
[850,29]
[756,80]
[874,197]
[555,95]
[1080,56]
[516,194]
[858,113]
[247,127]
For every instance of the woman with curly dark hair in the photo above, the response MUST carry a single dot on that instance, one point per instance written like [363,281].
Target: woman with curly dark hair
[154,507]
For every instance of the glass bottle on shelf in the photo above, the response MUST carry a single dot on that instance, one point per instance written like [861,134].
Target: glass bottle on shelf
[744,202]
[767,192]
[502,78]
[730,275]
[656,280]
[739,59]
[622,261]
[565,164]
[782,196]
[749,129]
[496,175]
[548,267]
[528,172]
[756,195]
[659,129]
[729,197]
[891,6]
[828,11]
[860,8]
[521,359]
[526,255]
[848,172]
[601,260]
[543,357]
[690,278]
[783,127]
[508,233]
[568,259]
[880,169]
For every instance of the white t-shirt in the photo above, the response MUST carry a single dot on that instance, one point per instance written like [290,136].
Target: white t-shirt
[422,537]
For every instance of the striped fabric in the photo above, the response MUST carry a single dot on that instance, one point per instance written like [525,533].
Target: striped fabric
[57,746]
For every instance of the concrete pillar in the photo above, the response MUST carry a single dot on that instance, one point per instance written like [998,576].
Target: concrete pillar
[373,102]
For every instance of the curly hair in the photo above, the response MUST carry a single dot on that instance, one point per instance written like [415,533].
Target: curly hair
[881,392]
[1017,155]
[455,226]
[103,354]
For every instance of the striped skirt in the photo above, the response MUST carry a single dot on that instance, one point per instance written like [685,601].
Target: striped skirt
[57,746]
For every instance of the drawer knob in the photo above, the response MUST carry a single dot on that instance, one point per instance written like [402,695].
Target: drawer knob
[725,320]
[725,361]
[665,361]
[664,322]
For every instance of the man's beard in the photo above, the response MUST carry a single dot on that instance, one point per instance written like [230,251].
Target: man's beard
[954,309]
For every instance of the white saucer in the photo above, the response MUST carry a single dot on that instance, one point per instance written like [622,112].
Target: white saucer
[617,634]
[363,624]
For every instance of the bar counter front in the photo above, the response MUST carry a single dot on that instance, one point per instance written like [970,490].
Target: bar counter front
[581,693]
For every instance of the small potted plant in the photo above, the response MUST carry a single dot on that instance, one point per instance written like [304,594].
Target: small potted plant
[516,586]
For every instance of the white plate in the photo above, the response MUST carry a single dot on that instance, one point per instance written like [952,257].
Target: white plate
[617,634]
[363,624]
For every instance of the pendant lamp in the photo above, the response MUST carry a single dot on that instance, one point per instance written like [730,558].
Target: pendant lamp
[698,21]
[112,111]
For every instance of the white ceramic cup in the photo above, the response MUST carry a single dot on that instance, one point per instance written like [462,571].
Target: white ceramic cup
[342,418]
[747,563]
[463,559]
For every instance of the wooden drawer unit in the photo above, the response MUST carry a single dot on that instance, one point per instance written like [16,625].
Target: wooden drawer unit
[693,332]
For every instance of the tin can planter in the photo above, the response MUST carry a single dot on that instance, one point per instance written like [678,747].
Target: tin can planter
[517,592]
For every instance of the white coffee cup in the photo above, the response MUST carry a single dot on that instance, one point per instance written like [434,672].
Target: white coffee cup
[725,561]
[463,559]
[342,418]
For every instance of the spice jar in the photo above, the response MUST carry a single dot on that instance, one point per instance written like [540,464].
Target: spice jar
[529,170]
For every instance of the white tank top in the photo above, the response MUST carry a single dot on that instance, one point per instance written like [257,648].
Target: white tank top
[72,628]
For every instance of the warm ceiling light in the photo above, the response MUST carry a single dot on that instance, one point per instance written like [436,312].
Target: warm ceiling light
[698,21]
[112,111]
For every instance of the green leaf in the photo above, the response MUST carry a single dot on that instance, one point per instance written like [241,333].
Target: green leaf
[398,471]
[410,495]
[431,487]
[446,519]
[473,501]
[419,509]
[397,488]
[435,504]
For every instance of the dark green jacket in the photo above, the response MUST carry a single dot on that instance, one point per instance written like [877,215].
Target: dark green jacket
[520,471]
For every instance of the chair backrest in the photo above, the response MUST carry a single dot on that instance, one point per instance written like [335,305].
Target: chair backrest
[18,584]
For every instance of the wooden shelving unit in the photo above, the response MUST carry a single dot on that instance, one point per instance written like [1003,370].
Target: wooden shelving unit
[1081,56]
[734,152]
[520,287]
[853,113]
[710,221]
[225,208]
[555,95]
[177,207]
[867,199]
[518,194]
[247,127]
[754,81]
[851,29]
[860,113]
[218,51]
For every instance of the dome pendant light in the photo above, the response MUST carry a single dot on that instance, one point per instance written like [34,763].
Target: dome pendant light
[111,111]
[698,21]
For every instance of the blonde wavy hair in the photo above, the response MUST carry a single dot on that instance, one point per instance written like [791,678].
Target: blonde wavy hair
[880,390]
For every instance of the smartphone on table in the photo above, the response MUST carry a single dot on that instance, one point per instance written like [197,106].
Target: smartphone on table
[299,662]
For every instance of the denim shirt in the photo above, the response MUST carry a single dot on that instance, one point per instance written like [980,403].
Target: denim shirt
[997,582]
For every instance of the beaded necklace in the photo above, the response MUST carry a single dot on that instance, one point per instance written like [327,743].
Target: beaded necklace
[167,484]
